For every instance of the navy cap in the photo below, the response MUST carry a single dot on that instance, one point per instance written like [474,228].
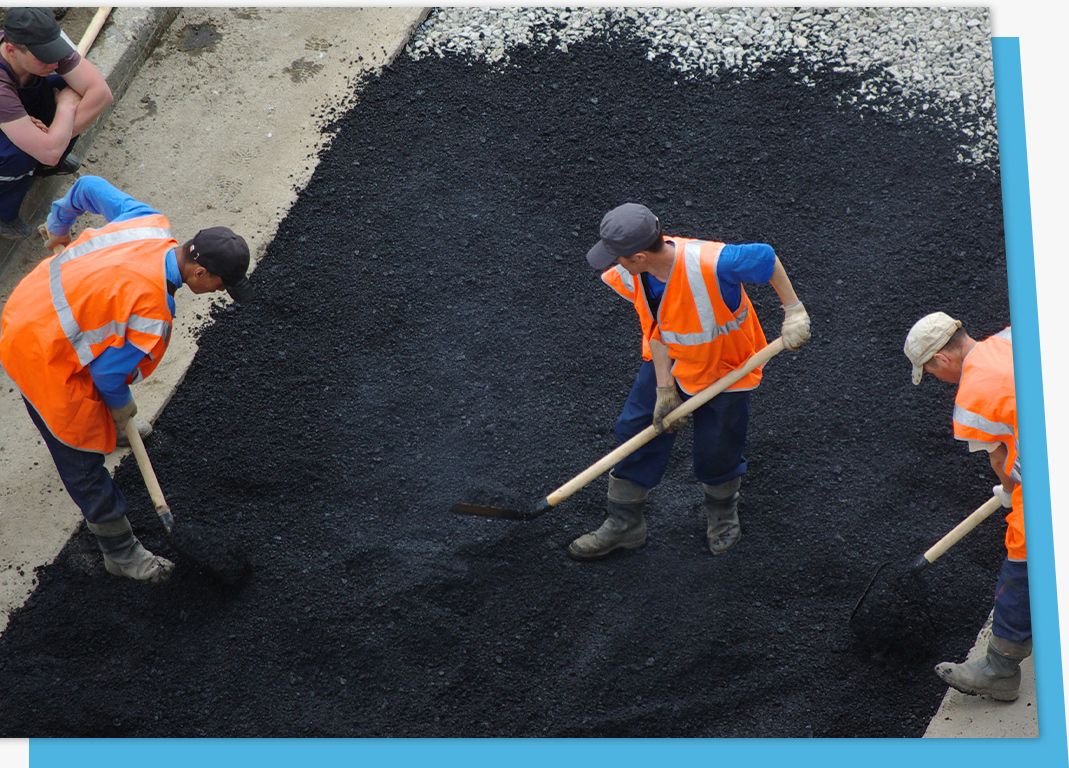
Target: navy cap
[625,230]
[36,28]
[225,253]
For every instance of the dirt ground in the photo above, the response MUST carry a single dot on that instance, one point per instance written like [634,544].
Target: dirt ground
[427,324]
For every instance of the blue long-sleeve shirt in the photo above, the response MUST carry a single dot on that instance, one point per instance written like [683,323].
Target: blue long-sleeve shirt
[92,194]
[737,264]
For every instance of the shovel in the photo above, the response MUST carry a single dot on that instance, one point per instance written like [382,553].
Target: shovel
[937,550]
[610,460]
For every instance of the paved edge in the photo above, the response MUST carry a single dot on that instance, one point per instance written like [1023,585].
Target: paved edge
[978,717]
[120,49]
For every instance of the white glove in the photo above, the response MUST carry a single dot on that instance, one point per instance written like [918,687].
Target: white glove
[795,331]
[668,400]
[1005,498]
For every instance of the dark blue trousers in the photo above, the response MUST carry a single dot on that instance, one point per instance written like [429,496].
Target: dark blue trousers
[84,476]
[16,167]
[719,435]
[1013,614]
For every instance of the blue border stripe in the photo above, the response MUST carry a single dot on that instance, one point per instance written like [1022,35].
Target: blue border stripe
[1024,314]
[1048,750]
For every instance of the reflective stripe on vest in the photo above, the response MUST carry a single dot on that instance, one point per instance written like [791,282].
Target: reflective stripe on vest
[976,421]
[626,277]
[1005,334]
[702,303]
[82,339]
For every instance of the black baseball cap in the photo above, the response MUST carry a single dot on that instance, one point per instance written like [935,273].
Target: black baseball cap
[225,253]
[36,28]
[625,230]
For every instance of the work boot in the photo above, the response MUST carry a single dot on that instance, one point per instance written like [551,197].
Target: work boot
[144,429]
[124,555]
[624,528]
[722,515]
[64,167]
[996,674]
[16,229]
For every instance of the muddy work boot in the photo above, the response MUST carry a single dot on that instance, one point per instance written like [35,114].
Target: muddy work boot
[722,515]
[124,555]
[996,674]
[624,528]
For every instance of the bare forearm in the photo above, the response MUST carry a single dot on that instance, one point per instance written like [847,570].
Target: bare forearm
[782,285]
[92,104]
[997,458]
[662,363]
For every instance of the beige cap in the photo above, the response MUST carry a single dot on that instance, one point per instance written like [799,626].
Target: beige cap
[927,336]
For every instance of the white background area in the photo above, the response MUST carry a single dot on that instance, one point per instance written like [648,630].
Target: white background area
[1042,30]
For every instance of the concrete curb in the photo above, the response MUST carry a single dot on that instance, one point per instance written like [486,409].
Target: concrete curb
[127,39]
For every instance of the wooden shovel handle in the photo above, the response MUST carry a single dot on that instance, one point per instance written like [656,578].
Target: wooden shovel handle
[961,529]
[93,29]
[137,445]
[609,460]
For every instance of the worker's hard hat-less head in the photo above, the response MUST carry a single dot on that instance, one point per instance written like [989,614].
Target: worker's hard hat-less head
[36,28]
[927,336]
[625,230]
[225,253]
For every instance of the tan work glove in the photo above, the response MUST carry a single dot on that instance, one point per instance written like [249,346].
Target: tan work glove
[795,331]
[668,400]
[52,242]
[124,414]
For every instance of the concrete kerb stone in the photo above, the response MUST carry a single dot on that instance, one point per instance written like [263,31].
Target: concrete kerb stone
[120,49]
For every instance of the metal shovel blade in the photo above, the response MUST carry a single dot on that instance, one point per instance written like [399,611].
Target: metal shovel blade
[502,513]
[868,588]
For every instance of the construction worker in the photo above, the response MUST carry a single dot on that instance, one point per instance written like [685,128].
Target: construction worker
[985,417]
[88,322]
[698,325]
[38,123]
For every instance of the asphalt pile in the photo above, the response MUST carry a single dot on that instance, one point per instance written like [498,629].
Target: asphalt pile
[427,324]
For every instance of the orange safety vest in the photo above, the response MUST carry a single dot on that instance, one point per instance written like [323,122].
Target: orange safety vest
[107,287]
[705,339]
[985,409]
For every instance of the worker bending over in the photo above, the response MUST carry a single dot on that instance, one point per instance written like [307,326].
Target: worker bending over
[985,416]
[88,322]
[698,325]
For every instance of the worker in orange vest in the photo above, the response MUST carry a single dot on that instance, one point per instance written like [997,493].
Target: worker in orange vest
[88,322]
[985,417]
[698,325]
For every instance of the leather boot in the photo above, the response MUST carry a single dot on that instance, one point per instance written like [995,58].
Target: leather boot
[624,528]
[996,674]
[722,515]
[124,555]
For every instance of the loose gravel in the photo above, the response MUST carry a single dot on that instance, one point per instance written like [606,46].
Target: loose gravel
[912,61]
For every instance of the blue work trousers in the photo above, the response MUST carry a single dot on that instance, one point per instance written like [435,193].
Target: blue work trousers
[84,476]
[17,167]
[719,435]
[1013,614]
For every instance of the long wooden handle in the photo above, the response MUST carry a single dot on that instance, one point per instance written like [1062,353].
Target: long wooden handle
[610,459]
[93,29]
[958,533]
[137,445]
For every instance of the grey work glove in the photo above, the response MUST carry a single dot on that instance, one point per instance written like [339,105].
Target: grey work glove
[668,400]
[124,414]
[795,331]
